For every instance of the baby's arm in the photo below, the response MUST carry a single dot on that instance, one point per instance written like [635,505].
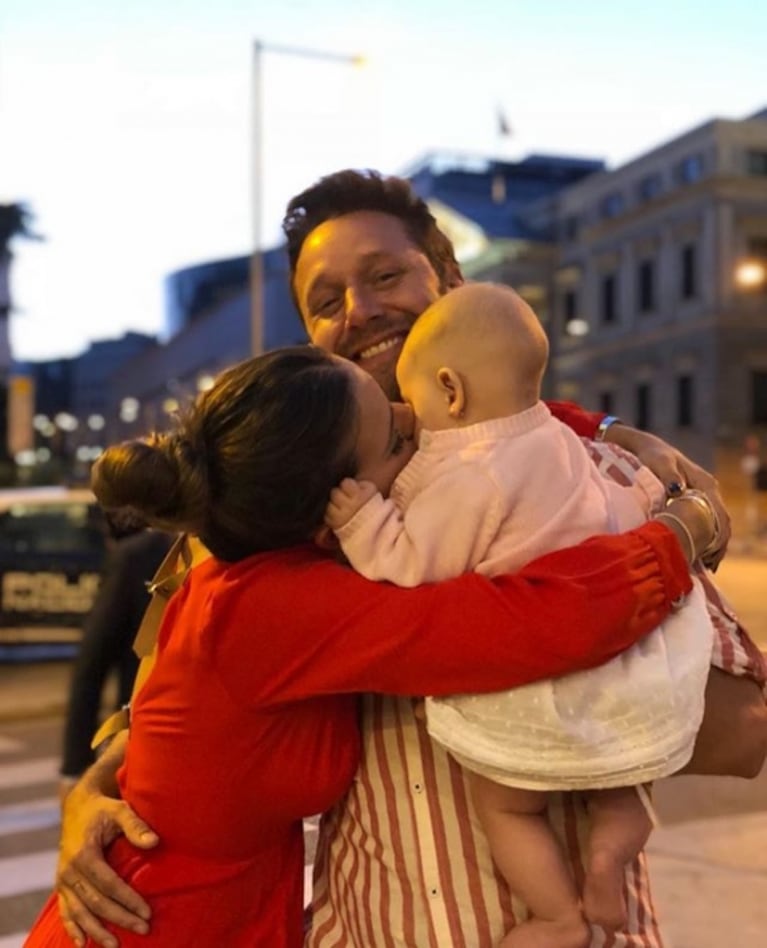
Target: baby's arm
[444,532]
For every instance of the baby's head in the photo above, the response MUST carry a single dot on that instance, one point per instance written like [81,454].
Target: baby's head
[477,353]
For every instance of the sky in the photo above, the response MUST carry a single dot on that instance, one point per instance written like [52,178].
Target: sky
[128,127]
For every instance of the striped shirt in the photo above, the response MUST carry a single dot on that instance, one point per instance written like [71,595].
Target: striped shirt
[402,861]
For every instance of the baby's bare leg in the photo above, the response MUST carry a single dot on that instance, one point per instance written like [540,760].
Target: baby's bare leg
[531,861]
[620,826]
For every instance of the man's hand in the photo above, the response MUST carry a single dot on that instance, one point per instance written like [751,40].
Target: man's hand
[346,500]
[676,472]
[88,889]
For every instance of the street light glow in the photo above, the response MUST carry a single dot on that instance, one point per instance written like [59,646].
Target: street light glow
[750,274]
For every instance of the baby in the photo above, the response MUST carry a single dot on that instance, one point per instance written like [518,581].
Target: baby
[496,482]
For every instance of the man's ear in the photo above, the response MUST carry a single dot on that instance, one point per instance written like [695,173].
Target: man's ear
[453,277]
[325,539]
[452,385]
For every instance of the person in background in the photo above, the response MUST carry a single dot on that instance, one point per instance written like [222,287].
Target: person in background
[133,555]
[366,258]
[495,482]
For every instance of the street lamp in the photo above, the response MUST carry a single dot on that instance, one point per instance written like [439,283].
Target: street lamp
[257,256]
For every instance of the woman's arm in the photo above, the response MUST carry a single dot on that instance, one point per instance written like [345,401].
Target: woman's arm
[569,610]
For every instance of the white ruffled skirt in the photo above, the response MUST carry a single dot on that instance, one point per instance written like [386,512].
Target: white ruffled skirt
[629,721]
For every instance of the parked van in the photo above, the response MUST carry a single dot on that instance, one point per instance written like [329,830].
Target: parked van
[52,548]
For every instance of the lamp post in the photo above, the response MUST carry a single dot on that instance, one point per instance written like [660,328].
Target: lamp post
[257,256]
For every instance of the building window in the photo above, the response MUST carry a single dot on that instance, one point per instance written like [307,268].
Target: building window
[650,186]
[570,305]
[689,169]
[609,298]
[688,288]
[756,162]
[759,398]
[612,205]
[757,248]
[685,393]
[643,406]
[573,324]
[570,228]
[606,402]
[646,286]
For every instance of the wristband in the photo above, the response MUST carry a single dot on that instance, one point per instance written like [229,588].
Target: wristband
[604,424]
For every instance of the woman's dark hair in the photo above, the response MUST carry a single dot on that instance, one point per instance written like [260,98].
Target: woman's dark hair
[348,191]
[249,467]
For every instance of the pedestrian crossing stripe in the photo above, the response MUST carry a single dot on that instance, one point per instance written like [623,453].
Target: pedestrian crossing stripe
[28,772]
[29,815]
[33,872]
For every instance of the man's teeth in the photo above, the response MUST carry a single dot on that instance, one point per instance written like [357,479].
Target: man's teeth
[380,347]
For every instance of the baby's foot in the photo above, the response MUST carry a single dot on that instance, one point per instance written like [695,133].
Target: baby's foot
[604,902]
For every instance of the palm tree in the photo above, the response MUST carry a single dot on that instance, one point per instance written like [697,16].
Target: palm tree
[15,221]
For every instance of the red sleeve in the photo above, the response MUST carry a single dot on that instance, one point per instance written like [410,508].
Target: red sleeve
[315,627]
[582,422]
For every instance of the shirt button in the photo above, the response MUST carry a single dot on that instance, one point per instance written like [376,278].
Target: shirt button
[418,788]
[434,892]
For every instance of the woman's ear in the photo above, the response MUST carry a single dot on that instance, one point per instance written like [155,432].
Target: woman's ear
[452,385]
[325,539]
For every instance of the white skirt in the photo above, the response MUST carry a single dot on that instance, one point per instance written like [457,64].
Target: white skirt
[629,721]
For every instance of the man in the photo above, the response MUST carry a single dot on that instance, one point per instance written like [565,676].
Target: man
[402,861]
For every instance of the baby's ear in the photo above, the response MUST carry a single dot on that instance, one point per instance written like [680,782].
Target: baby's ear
[325,539]
[452,385]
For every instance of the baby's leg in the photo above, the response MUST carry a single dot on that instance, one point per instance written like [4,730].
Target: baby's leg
[531,861]
[620,826]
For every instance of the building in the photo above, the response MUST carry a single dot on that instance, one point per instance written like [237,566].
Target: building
[208,326]
[500,216]
[649,278]
[660,298]
[71,401]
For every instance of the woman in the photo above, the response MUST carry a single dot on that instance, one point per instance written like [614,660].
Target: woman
[250,708]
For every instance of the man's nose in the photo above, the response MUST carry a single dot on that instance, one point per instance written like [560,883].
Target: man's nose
[360,305]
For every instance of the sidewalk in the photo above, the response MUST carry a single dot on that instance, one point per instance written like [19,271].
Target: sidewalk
[33,690]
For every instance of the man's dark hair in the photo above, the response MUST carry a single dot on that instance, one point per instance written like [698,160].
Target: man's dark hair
[348,191]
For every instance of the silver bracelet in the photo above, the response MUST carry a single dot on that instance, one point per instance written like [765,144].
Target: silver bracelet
[604,424]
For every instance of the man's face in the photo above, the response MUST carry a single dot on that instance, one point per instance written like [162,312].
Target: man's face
[361,283]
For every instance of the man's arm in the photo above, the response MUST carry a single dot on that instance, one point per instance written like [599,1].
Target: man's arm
[87,887]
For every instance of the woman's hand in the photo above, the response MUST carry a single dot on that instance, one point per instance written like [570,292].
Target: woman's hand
[676,472]
[88,888]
